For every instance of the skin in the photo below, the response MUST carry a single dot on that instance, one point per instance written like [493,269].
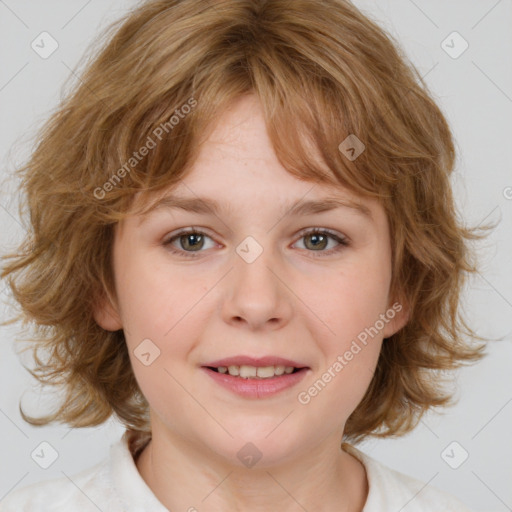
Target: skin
[293,301]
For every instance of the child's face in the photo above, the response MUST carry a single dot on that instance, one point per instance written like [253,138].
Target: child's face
[286,303]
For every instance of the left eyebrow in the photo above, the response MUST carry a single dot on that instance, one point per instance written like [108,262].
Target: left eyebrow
[327,204]
[204,205]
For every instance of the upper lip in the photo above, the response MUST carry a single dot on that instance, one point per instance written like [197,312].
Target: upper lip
[254,361]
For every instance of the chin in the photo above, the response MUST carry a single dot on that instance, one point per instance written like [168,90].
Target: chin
[262,447]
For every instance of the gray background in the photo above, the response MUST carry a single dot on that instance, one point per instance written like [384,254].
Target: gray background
[475,92]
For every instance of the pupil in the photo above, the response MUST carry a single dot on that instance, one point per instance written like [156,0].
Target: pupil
[317,237]
[191,237]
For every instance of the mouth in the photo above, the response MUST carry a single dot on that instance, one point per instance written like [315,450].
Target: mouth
[248,367]
[255,372]
[256,378]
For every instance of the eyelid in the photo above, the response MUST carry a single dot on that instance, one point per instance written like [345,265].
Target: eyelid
[302,232]
[307,231]
[342,240]
[185,231]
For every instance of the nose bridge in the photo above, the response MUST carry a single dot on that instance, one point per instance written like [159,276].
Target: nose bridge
[256,294]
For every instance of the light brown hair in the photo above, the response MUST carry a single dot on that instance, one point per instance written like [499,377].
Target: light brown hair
[322,71]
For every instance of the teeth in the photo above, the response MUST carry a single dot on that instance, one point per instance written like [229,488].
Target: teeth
[264,372]
[253,372]
[234,370]
[248,371]
[279,370]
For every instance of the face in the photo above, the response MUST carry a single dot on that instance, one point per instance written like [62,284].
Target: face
[255,278]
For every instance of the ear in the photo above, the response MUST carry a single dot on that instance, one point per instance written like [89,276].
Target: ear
[397,315]
[106,313]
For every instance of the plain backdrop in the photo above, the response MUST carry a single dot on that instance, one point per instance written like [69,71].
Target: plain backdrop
[473,88]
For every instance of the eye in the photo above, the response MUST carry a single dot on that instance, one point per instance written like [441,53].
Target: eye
[318,240]
[191,241]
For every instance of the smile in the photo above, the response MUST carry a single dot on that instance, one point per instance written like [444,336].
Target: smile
[258,372]
[255,382]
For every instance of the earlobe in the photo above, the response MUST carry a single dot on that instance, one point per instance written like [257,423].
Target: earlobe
[106,314]
[398,315]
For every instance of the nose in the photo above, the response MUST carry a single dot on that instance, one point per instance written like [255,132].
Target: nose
[257,294]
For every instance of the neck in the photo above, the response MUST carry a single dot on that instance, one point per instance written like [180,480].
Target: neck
[185,478]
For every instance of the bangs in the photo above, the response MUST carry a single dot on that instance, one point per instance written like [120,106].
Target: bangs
[320,108]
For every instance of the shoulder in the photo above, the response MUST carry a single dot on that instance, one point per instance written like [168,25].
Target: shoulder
[391,490]
[80,492]
[112,485]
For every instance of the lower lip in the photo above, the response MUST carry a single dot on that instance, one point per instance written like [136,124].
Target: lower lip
[256,388]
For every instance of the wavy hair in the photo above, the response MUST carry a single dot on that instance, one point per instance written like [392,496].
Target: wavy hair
[322,70]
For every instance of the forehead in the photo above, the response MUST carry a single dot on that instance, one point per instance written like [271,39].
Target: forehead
[236,165]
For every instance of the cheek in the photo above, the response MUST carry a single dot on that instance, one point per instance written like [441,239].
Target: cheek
[146,306]
[349,334]
[168,309]
[350,341]
[152,300]
[349,301]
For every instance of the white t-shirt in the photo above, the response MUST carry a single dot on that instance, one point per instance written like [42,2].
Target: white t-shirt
[115,485]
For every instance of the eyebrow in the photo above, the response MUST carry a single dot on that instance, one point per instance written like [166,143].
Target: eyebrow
[204,205]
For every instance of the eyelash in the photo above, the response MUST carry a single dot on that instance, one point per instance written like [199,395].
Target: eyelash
[342,241]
